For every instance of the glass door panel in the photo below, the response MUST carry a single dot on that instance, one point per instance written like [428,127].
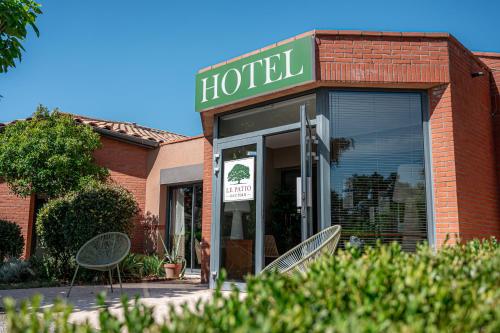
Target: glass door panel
[237,225]
[238,216]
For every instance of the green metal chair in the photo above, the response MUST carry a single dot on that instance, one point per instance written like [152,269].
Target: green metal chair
[103,253]
[303,255]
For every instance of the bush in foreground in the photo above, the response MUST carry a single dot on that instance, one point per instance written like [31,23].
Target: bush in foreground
[65,224]
[11,240]
[380,290]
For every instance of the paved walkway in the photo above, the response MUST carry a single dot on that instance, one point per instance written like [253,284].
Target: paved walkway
[83,298]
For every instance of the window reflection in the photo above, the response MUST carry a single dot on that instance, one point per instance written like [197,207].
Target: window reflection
[272,115]
[377,164]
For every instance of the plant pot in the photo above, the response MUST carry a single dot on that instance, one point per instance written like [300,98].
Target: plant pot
[170,271]
[178,269]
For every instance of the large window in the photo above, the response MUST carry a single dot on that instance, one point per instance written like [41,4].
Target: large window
[377,167]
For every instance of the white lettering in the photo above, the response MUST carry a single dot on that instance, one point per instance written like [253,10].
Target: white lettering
[271,69]
[252,72]
[214,87]
[238,81]
[288,70]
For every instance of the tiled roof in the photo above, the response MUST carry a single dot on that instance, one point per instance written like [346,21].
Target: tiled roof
[131,129]
[125,129]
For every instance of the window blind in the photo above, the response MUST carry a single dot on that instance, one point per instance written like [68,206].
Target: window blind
[377,167]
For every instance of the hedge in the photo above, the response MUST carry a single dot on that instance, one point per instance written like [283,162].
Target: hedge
[382,289]
[11,240]
[66,223]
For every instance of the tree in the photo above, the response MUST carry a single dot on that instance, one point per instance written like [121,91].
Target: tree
[238,173]
[48,154]
[15,16]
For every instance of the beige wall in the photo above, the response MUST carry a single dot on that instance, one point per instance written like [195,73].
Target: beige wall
[170,155]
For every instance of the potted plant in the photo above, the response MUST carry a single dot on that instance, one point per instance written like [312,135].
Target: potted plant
[174,263]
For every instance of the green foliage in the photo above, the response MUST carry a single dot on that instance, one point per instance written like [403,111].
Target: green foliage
[12,240]
[43,265]
[153,266]
[380,290]
[65,224]
[131,267]
[49,154]
[15,16]
[15,270]
[238,173]
[137,266]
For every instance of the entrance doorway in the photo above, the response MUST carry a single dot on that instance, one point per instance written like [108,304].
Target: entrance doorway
[264,201]
[283,228]
[184,228]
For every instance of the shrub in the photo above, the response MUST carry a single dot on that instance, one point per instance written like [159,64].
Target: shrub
[15,270]
[380,290]
[66,223]
[12,240]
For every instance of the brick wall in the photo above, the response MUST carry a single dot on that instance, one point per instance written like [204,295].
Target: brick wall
[207,208]
[443,163]
[492,60]
[127,164]
[17,210]
[477,185]
[375,59]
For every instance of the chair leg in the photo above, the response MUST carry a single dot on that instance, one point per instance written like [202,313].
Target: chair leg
[110,280]
[119,277]
[72,281]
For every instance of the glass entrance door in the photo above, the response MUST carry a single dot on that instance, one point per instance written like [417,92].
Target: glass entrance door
[184,229]
[238,202]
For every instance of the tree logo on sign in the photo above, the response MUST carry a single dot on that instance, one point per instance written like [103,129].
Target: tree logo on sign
[238,173]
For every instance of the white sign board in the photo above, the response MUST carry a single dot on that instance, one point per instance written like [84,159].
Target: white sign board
[238,184]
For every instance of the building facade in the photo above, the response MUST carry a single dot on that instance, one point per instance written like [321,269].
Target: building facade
[394,136]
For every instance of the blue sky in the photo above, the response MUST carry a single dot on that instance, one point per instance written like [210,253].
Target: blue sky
[136,60]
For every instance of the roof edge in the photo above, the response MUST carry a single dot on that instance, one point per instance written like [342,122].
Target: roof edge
[126,138]
[363,33]
[486,54]
[189,138]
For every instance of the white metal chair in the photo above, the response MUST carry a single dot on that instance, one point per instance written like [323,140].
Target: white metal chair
[103,253]
[303,255]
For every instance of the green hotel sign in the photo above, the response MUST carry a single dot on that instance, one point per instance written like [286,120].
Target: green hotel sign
[271,70]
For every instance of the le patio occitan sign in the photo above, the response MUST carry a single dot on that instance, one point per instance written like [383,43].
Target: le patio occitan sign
[278,68]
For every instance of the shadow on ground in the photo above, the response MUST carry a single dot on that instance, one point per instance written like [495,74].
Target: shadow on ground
[83,298]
